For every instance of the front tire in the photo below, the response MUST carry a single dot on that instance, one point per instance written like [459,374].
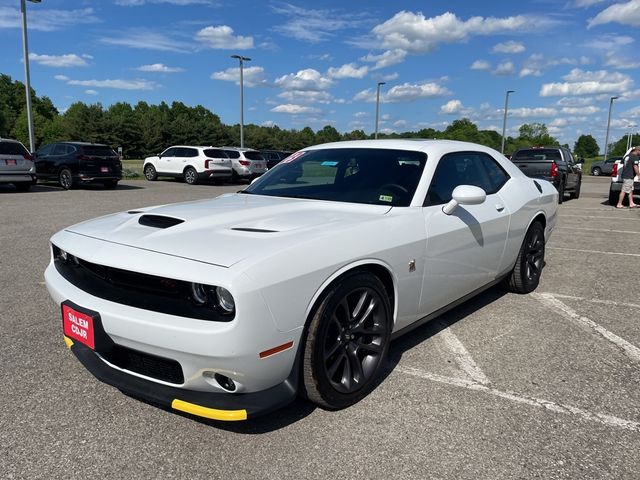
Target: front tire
[150,172]
[525,276]
[347,342]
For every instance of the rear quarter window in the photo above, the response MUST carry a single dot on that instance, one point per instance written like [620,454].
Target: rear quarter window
[232,153]
[253,156]
[213,153]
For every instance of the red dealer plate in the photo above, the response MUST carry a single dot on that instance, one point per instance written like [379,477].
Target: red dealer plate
[78,326]
[104,169]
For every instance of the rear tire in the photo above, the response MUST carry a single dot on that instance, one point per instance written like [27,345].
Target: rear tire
[576,193]
[150,172]
[597,171]
[525,276]
[561,191]
[347,342]
[22,186]
[190,176]
[65,179]
[613,197]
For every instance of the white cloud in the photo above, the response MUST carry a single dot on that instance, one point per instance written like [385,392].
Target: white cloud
[609,42]
[505,68]
[306,96]
[574,101]
[406,92]
[361,114]
[508,47]
[268,123]
[627,13]
[91,92]
[400,123]
[47,20]
[385,59]
[251,76]
[222,37]
[452,107]
[61,61]
[115,83]
[315,25]
[148,40]
[620,62]
[588,110]
[137,3]
[307,80]
[579,82]
[415,33]
[389,77]
[159,68]
[348,70]
[480,65]
[586,3]
[559,122]
[293,109]
[537,63]
[539,112]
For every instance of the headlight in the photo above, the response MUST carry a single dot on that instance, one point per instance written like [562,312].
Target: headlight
[225,300]
[64,256]
[198,293]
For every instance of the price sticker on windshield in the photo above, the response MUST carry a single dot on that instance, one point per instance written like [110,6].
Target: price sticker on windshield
[292,157]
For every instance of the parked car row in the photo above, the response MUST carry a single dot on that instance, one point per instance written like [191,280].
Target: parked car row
[74,163]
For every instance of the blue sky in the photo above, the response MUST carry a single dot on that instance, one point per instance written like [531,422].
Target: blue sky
[318,63]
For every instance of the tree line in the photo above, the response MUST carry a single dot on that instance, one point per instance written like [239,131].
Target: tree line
[144,129]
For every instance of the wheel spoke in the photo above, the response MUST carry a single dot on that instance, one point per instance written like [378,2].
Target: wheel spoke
[356,367]
[371,347]
[328,352]
[361,300]
[333,368]
[359,325]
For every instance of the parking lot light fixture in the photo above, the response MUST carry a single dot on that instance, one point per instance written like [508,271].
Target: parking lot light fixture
[504,121]
[606,138]
[241,59]
[27,79]
[378,107]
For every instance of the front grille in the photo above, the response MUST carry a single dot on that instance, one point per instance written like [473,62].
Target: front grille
[148,292]
[145,364]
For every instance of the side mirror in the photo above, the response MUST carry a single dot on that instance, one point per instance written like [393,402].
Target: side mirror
[464,195]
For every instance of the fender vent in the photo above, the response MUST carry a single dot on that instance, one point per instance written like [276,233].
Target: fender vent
[538,186]
[158,221]
[254,230]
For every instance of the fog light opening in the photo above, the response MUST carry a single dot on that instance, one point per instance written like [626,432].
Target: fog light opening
[225,382]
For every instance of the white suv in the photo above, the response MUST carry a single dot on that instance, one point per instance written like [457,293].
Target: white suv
[616,180]
[193,164]
[247,163]
[16,165]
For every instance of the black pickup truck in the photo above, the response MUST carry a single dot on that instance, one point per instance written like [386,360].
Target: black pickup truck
[555,164]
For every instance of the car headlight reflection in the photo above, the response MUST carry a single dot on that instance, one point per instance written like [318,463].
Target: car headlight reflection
[217,297]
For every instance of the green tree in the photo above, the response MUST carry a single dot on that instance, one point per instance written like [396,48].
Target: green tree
[327,134]
[586,146]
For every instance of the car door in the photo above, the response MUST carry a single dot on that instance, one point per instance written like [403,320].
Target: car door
[165,160]
[573,173]
[464,249]
[42,161]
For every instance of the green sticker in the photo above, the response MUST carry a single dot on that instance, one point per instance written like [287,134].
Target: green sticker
[386,198]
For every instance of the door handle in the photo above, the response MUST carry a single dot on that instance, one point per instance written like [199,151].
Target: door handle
[499,207]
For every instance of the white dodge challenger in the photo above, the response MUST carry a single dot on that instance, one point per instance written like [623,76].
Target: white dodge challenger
[228,308]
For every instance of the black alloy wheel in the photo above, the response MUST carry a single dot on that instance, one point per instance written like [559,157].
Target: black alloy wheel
[65,179]
[347,342]
[525,276]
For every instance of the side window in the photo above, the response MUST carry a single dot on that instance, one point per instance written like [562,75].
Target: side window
[464,168]
[190,152]
[169,152]
[232,153]
[46,150]
[69,149]
[59,149]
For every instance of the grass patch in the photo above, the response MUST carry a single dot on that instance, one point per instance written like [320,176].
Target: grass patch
[132,169]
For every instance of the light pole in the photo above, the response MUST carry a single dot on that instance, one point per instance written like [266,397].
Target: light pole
[606,138]
[242,60]
[504,120]
[631,126]
[27,82]
[378,107]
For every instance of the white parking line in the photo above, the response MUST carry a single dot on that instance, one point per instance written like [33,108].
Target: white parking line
[463,357]
[599,252]
[608,420]
[594,300]
[567,312]
[598,230]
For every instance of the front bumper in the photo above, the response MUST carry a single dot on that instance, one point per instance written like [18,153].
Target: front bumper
[214,406]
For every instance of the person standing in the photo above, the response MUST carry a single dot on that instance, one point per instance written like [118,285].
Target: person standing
[629,171]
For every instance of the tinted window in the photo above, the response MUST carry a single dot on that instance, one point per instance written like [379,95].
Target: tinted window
[357,175]
[46,150]
[464,168]
[12,148]
[169,152]
[253,156]
[533,154]
[189,152]
[59,149]
[232,153]
[214,153]
[99,151]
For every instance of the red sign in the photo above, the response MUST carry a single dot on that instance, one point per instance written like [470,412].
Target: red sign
[78,326]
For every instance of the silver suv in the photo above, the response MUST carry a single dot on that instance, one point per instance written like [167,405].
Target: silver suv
[246,163]
[16,165]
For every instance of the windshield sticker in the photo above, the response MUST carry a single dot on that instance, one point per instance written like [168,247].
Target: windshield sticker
[329,164]
[292,157]
[385,198]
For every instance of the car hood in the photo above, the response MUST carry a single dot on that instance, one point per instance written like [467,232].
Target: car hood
[228,229]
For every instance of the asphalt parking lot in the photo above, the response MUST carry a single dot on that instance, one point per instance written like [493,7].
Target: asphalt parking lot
[505,386]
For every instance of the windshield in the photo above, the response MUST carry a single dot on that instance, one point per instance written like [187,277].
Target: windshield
[357,175]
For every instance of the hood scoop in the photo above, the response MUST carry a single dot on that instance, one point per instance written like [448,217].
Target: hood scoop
[253,230]
[159,221]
